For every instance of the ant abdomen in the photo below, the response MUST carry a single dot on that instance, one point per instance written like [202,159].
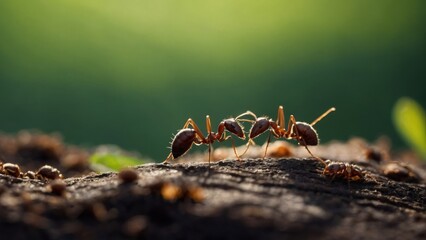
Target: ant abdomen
[182,141]
[308,134]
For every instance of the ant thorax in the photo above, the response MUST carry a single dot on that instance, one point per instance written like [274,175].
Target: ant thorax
[211,137]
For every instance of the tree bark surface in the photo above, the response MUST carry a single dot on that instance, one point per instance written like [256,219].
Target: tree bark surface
[229,199]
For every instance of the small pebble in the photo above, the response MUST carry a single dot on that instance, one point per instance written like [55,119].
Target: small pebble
[135,225]
[128,175]
[57,187]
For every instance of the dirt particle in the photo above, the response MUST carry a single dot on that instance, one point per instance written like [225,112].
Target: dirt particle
[373,154]
[49,173]
[100,212]
[279,149]
[11,169]
[182,192]
[400,172]
[57,187]
[35,220]
[128,175]
[170,191]
[135,225]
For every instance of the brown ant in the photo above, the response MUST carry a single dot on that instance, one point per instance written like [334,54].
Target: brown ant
[302,132]
[184,139]
[342,170]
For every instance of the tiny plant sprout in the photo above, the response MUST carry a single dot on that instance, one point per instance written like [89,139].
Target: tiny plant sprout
[112,159]
[410,121]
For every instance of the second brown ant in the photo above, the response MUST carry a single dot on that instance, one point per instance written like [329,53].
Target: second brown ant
[304,133]
[342,170]
[184,139]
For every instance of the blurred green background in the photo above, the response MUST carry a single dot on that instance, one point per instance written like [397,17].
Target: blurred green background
[131,72]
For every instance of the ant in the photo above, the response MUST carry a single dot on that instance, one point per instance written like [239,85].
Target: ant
[184,139]
[302,132]
[342,170]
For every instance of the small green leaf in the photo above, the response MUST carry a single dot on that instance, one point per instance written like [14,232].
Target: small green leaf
[410,121]
[106,162]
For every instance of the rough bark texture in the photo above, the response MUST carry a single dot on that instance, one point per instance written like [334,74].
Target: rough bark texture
[248,199]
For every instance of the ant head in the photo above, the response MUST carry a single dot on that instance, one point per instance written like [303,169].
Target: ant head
[260,126]
[234,127]
[307,134]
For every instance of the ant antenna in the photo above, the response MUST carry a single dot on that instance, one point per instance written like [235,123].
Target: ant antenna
[323,115]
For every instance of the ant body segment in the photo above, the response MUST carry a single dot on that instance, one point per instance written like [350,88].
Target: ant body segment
[184,139]
[302,132]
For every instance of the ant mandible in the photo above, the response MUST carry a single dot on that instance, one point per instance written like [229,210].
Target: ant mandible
[302,132]
[184,139]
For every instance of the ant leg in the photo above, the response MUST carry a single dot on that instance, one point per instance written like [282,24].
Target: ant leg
[280,118]
[276,130]
[267,144]
[234,148]
[298,137]
[332,179]
[250,142]
[210,153]
[209,131]
[167,159]
[323,115]
[289,131]
[224,138]
[208,125]
[196,128]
